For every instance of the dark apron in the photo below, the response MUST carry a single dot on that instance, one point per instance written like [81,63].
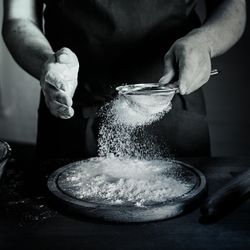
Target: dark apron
[119,41]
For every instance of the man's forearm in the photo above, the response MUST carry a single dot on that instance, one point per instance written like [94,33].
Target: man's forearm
[27,44]
[223,27]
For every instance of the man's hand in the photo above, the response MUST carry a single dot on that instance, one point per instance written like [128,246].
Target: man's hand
[59,81]
[189,61]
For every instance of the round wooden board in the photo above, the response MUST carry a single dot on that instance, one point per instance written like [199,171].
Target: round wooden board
[129,213]
[5,152]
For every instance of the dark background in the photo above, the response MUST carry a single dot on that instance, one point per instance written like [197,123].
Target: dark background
[227,98]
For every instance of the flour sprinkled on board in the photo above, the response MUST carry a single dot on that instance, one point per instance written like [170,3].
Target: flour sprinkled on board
[117,181]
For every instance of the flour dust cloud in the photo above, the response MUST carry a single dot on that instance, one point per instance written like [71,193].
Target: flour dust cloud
[122,129]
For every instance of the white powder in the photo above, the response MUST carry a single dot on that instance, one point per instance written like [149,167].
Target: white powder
[129,169]
[124,181]
[122,130]
[139,110]
[126,141]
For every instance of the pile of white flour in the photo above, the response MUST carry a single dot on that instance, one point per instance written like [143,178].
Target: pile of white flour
[119,181]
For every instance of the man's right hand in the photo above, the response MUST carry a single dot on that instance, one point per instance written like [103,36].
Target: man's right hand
[59,81]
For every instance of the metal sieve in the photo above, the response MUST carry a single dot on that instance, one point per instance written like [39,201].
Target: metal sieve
[150,97]
[146,89]
[152,88]
[147,97]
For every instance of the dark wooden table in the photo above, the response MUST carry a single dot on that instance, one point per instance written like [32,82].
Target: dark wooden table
[185,232]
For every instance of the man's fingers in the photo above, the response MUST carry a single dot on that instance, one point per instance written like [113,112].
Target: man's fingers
[65,55]
[63,99]
[59,81]
[193,75]
[60,110]
[167,78]
[199,80]
[55,79]
[169,71]
[60,96]
[58,102]
[187,72]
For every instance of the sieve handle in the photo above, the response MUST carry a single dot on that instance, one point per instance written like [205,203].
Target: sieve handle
[214,72]
[144,89]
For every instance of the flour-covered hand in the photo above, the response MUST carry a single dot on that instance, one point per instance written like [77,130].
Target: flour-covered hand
[59,81]
[189,61]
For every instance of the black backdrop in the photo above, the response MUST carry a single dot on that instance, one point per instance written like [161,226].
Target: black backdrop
[228,100]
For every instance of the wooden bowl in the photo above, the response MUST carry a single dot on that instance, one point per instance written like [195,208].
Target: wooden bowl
[129,213]
[5,152]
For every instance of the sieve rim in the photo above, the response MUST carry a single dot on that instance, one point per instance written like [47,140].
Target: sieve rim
[145,89]
[7,151]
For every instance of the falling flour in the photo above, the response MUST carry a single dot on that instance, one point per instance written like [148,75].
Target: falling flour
[122,131]
[130,168]
[139,110]
[117,181]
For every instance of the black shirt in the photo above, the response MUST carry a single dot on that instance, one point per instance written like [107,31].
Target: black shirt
[117,41]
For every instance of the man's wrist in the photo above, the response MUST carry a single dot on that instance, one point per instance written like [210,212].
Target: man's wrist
[204,38]
[47,55]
